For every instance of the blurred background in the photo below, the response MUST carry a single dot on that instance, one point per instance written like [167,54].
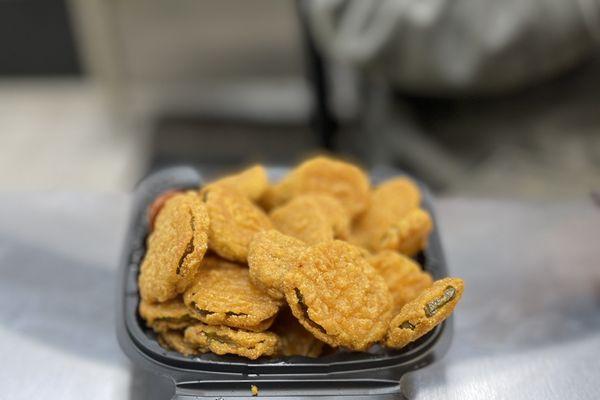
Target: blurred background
[497,98]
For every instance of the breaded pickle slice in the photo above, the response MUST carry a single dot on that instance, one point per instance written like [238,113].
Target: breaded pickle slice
[294,340]
[251,182]
[424,313]
[270,256]
[225,340]
[176,247]
[233,222]
[174,340]
[321,175]
[409,235]
[170,315]
[390,201]
[223,295]
[403,275]
[338,296]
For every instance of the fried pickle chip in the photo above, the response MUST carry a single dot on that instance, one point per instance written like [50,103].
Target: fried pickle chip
[174,340]
[389,203]
[321,175]
[409,235]
[312,218]
[170,315]
[225,340]
[233,221]
[176,247]
[338,296]
[425,312]
[251,182]
[403,275]
[270,256]
[223,295]
[294,340]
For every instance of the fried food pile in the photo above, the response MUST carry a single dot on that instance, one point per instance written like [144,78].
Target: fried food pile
[317,261]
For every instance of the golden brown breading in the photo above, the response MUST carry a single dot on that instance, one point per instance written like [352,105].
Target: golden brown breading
[223,295]
[307,224]
[225,340]
[233,221]
[311,218]
[176,247]
[174,340]
[321,175]
[294,340]
[403,275]
[338,296]
[389,203]
[251,182]
[158,204]
[333,209]
[170,315]
[270,256]
[409,235]
[425,312]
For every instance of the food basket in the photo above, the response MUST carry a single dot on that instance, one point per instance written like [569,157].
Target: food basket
[373,374]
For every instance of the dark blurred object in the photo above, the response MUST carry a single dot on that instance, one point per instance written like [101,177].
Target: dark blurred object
[449,48]
[36,39]
[385,58]
[321,117]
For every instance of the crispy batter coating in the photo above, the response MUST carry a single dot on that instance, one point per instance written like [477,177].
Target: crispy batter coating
[389,203]
[225,340]
[223,295]
[403,275]
[333,209]
[270,256]
[307,224]
[425,312]
[251,182]
[312,218]
[321,175]
[294,340]
[338,296]
[174,340]
[158,204]
[175,248]
[409,235]
[170,315]
[233,221]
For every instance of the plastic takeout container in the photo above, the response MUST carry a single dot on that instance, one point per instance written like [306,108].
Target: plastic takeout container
[374,374]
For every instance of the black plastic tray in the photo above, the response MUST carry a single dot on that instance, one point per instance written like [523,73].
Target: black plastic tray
[376,373]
